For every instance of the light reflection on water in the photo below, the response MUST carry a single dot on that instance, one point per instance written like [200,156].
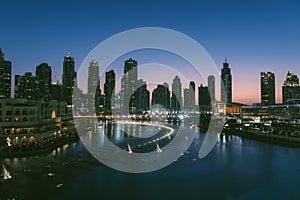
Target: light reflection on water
[235,169]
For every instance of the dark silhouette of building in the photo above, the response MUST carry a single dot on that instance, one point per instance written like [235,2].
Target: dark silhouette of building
[99,101]
[68,78]
[109,91]
[267,88]
[203,96]
[5,77]
[176,100]
[26,86]
[43,77]
[205,108]
[226,83]
[56,91]
[211,87]
[93,85]
[192,88]
[161,96]
[142,96]
[129,85]
[290,88]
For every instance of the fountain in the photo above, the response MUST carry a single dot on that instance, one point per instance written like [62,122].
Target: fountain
[129,148]
[157,148]
[6,174]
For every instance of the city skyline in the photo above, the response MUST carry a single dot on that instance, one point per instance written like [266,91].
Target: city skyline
[70,68]
[247,40]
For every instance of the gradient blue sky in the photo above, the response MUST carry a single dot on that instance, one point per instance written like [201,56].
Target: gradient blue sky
[255,36]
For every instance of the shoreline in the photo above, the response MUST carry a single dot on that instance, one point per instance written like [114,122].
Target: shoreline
[266,138]
[41,151]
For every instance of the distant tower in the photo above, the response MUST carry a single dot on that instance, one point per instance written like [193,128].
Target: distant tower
[68,78]
[109,91]
[226,87]
[203,96]
[93,82]
[129,85]
[56,91]
[189,96]
[142,97]
[43,75]
[211,87]
[267,88]
[5,77]
[161,96]
[176,99]
[290,88]
[186,98]
[26,86]
[192,94]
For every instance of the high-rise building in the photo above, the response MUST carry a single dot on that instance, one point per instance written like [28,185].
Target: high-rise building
[68,78]
[176,100]
[192,93]
[211,87]
[109,91]
[56,91]
[129,85]
[142,97]
[26,86]
[226,83]
[161,96]
[203,96]
[99,101]
[5,77]
[43,76]
[93,85]
[189,96]
[267,88]
[186,98]
[290,88]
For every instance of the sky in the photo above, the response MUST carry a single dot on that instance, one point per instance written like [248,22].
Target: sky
[254,36]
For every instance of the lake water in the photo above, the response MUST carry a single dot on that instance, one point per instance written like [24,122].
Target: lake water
[235,169]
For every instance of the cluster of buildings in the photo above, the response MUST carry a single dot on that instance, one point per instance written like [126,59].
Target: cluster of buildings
[267,109]
[38,105]
[134,97]
[38,102]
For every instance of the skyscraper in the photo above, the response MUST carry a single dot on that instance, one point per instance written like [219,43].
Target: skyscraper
[43,76]
[129,85]
[267,88]
[203,96]
[68,78]
[290,88]
[176,99]
[192,94]
[26,86]
[109,91]
[93,82]
[142,97]
[226,84]
[186,98]
[161,96]
[56,91]
[189,96]
[211,87]
[5,77]
[99,101]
